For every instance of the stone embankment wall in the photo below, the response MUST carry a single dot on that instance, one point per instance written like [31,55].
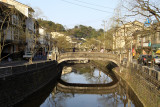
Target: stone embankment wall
[18,82]
[66,70]
[149,73]
[143,80]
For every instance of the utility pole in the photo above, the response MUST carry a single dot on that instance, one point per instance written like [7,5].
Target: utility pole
[104,24]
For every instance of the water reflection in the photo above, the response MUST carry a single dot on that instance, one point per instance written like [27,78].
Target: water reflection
[89,100]
[86,74]
[122,96]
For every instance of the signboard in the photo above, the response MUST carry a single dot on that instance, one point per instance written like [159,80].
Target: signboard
[147,22]
[145,44]
[149,44]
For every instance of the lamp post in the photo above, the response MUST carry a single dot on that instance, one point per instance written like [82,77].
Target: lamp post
[131,50]
[104,32]
[121,41]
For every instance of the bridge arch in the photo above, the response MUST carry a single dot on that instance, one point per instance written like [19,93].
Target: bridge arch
[89,56]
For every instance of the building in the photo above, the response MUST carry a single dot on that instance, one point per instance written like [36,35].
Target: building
[24,9]
[123,36]
[32,33]
[45,40]
[155,39]
[12,35]
[26,25]
[147,40]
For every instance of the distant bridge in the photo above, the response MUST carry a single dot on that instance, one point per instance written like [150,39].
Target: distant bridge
[89,56]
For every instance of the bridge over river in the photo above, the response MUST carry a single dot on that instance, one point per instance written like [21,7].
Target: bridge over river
[89,56]
[18,82]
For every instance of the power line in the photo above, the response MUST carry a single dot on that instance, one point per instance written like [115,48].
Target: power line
[93,4]
[86,6]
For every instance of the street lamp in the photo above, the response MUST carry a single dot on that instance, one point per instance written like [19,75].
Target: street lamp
[104,31]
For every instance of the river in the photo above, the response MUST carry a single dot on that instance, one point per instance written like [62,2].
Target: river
[50,96]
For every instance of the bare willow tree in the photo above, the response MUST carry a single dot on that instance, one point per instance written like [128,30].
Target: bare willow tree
[145,8]
[11,20]
[124,36]
[32,37]
[62,44]
[150,10]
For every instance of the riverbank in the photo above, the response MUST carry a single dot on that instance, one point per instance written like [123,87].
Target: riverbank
[112,67]
[145,91]
[19,82]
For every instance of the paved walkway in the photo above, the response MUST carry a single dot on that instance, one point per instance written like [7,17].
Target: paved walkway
[21,62]
[12,63]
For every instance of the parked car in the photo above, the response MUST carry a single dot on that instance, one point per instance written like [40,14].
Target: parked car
[145,59]
[50,55]
[148,60]
[156,59]
[141,59]
[28,55]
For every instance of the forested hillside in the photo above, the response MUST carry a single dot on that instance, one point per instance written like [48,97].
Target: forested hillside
[79,31]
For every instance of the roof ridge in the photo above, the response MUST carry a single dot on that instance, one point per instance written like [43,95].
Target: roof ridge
[21,3]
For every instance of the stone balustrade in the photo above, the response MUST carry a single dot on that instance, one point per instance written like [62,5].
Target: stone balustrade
[89,56]
[149,73]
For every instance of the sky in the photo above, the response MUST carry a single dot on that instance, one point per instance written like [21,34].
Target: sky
[70,13]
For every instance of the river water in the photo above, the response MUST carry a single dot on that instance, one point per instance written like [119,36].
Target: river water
[123,96]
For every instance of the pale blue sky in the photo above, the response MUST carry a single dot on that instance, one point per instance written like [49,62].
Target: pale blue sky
[67,13]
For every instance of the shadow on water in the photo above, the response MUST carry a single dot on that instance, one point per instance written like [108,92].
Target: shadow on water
[37,98]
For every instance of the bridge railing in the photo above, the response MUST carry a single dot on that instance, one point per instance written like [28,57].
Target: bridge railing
[89,55]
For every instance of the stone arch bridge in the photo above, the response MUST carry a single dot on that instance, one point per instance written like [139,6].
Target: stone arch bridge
[88,56]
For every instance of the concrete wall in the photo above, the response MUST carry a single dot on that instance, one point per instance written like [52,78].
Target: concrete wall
[18,82]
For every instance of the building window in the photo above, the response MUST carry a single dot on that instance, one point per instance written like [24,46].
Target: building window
[15,20]
[16,34]
[144,39]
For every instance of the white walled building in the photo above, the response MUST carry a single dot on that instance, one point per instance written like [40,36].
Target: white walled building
[44,39]
[13,33]
[57,34]
[27,11]
[123,37]
[42,33]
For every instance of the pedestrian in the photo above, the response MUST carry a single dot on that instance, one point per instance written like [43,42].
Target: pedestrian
[9,59]
[102,50]
[74,49]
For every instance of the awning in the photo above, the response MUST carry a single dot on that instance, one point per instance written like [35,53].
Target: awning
[156,45]
[158,52]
